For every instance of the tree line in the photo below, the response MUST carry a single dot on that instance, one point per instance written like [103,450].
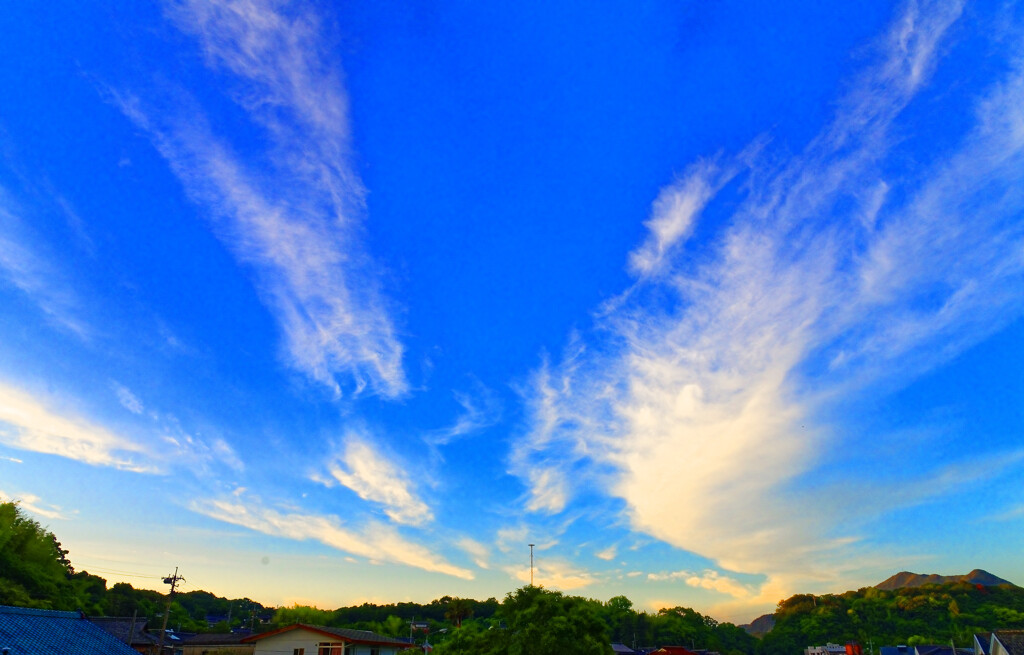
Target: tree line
[35,572]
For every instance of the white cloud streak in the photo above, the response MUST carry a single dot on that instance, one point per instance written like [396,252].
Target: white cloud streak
[700,410]
[375,541]
[374,477]
[28,424]
[295,222]
[47,426]
[34,504]
[479,552]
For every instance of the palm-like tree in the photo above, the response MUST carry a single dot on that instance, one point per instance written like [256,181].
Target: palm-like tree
[458,609]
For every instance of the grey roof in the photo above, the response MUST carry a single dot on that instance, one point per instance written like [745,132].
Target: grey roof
[622,648]
[216,638]
[28,631]
[1012,640]
[121,627]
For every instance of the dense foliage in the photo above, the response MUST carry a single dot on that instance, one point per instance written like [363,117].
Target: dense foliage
[931,614]
[34,569]
[535,620]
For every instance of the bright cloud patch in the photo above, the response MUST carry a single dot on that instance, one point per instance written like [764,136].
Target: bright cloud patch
[554,574]
[374,541]
[696,399]
[28,424]
[709,579]
[370,474]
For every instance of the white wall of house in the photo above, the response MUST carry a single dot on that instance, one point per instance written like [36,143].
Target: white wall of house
[289,643]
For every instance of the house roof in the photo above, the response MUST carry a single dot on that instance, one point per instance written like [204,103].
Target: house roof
[121,627]
[216,639]
[622,648]
[345,634]
[1012,640]
[28,631]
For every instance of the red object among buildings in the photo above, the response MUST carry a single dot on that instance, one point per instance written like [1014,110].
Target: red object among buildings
[673,650]
[854,648]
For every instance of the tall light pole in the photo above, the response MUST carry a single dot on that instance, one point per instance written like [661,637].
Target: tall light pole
[531,565]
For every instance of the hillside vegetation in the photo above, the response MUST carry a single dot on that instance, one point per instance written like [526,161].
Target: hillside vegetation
[931,613]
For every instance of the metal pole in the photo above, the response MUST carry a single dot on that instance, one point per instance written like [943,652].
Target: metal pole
[531,565]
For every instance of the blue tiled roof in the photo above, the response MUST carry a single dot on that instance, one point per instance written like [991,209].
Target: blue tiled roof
[47,632]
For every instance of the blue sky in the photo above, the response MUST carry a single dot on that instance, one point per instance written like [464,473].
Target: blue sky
[712,302]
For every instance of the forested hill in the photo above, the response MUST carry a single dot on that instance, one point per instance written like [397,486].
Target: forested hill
[930,613]
[905,579]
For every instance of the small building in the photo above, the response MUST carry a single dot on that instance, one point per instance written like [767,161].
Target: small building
[827,649]
[302,639]
[623,649]
[26,631]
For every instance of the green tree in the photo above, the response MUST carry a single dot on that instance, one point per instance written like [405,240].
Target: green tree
[302,614]
[34,570]
[535,621]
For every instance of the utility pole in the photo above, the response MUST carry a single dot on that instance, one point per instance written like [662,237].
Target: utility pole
[131,634]
[172,580]
[531,565]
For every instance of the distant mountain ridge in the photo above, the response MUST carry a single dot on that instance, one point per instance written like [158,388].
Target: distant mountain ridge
[906,579]
[760,626]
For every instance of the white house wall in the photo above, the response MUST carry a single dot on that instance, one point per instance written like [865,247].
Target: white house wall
[286,643]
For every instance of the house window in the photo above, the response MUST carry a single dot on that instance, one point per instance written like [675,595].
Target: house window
[330,648]
[298,651]
[375,650]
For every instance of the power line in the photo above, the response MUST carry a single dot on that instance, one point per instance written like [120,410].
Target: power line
[129,574]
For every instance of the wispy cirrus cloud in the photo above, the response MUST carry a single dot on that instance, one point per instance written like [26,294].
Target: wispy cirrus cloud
[373,540]
[295,219]
[480,409]
[375,477]
[33,273]
[696,399]
[127,399]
